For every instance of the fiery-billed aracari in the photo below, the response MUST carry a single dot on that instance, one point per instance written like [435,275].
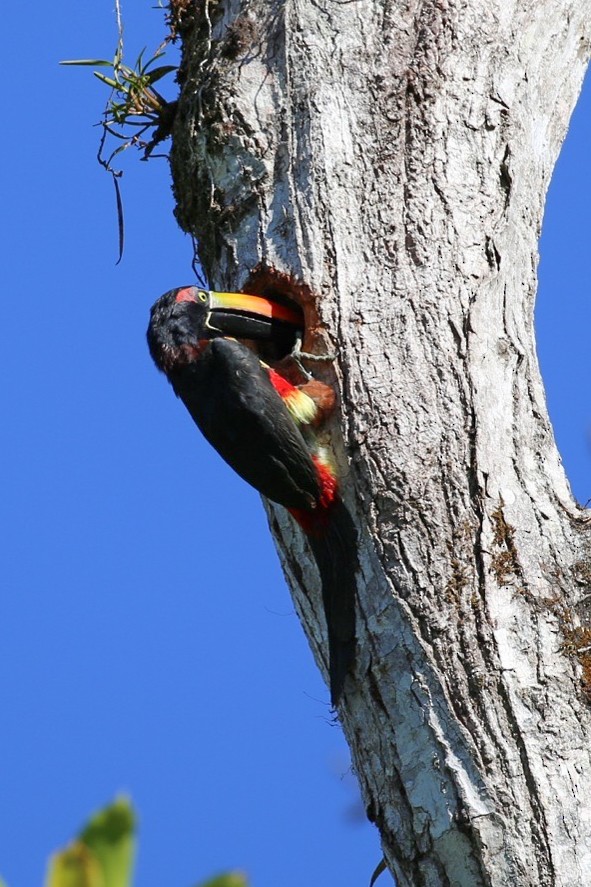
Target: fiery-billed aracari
[261,424]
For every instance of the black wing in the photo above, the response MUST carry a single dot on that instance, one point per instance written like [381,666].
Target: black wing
[231,399]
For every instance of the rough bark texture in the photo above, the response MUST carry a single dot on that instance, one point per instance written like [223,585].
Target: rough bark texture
[393,156]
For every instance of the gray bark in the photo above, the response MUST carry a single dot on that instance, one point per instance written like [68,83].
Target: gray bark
[393,156]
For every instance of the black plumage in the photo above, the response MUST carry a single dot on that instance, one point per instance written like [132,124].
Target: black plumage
[232,400]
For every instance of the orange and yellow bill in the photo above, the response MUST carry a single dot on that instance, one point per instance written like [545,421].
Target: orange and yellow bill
[258,305]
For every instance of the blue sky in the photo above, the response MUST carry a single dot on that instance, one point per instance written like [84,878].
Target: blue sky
[148,640]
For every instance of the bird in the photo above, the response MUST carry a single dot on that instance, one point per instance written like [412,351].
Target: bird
[263,426]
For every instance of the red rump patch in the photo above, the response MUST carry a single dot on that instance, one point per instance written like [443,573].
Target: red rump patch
[328,482]
[281,385]
[315,520]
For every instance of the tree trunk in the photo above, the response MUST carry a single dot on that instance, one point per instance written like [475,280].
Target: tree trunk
[386,162]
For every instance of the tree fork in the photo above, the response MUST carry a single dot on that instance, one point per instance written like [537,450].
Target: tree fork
[393,157]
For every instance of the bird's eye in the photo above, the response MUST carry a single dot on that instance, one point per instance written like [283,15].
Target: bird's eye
[202,296]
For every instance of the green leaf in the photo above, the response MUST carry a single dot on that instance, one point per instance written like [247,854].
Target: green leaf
[159,73]
[76,866]
[109,835]
[230,879]
[118,135]
[128,75]
[154,59]
[120,221]
[381,868]
[138,64]
[108,80]
[91,62]
[2,882]
[120,113]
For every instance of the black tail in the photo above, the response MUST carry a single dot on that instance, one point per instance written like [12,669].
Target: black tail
[334,546]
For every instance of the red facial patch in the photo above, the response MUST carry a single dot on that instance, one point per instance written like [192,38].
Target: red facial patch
[186,295]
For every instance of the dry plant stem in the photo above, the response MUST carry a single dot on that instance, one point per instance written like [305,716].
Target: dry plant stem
[394,156]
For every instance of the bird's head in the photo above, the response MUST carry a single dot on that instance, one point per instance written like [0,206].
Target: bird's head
[183,320]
